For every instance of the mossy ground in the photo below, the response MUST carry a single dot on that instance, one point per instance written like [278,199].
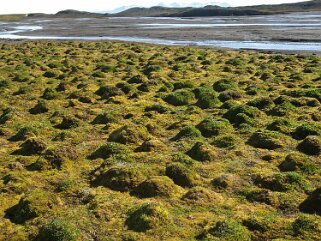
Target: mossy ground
[85,126]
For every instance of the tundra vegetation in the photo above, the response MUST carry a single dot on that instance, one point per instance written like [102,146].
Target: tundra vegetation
[122,141]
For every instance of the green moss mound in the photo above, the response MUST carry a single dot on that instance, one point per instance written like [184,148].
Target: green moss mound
[213,127]
[148,216]
[180,97]
[129,134]
[266,140]
[160,186]
[34,204]
[188,132]
[313,203]
[224,84]
[58,230]
[110,149]
[153,145]
[181,175]
[230,230]
[31,147]
[298,162]
[250,111]
[310,146]
[201,195]
[120,178]
[208,100]
[202,152]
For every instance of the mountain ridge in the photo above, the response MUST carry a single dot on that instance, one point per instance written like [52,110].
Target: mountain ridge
[206,11]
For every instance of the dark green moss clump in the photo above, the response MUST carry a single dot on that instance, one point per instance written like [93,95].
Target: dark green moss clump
[23,134]
[249,111]
[31,206]
[297,162]
[68,122]
[148,216]
[120,178]
[282,182]
[181,175]
[213,127]
[129,134]
[202,152]
[31,147]
[310,145]
[305,130]
[188,132]
[156,187]
[200,195]
[180,97]
[109,149]
[105,118]
[313,203]
[224,84]
[208,100]
[266,140]
[230,230]
[58,230]
[39,108]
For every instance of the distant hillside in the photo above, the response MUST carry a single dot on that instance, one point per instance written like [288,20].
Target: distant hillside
[314,5]
[69,13]
[206,11]
[151,12]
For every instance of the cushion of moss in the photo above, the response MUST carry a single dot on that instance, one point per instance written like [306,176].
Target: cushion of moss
[282,109]
[39,108]
[137,79]
[188,132]
[109,149]
[229,95]
[226,141]
[224,84]
[180,97]
[213,127]
[181,175]
[313,203]
[23,134]
[297,162]
[282,182]
[31,147]
[129,134]
[310,145]
[208,100]
[227,182]
[250,111]
[202,195]
[285,126]
[108,91]
[262,103]
[6,115]
[68,122]
[305,225]
[152,145]
[263,196]
[120,178]
[33,205]
[58,230]
[158,186]
[305,130]
[148,216]
[267,140]
[230,230]
[202,152]
[105,118]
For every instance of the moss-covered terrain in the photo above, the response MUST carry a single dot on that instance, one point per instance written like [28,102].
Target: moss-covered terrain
[120,141]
